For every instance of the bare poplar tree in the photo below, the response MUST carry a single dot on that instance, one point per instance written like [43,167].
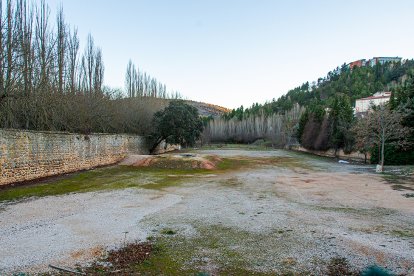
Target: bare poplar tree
[72,59]
[9,47]
[25,32]
[2,56]
[130,79]
[43,41]
[98,75]
[61,49]
[40,62]
[276,128]
[89,62]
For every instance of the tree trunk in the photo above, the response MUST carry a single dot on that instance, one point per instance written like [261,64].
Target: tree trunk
[382,149]
[154,147]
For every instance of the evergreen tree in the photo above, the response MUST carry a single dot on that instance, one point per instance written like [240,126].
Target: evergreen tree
[178,123]
[341,118]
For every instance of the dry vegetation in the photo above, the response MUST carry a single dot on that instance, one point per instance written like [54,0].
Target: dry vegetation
[48,83]
[277,128]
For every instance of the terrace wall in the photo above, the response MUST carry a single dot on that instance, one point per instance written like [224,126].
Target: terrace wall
[28,155]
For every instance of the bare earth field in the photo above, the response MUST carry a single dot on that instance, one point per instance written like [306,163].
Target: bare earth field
[261,212]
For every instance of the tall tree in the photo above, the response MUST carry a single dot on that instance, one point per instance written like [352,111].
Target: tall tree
[341,118]
[72,59]
[178,123]
[380,127]
[61,48]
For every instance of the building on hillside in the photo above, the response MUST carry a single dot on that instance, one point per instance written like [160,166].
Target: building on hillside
[363,105]
[357,63]
[375,60]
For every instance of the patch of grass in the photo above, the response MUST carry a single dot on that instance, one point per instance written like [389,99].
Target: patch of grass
[241,162]
[191,256]
[403,233]
[98,179]
[119,177]
[150,238]
[168,232]
[399,187]
[163,261]
[251,147]
[369,230]
[158,177]
[215,250]
[231,182]
[373,212]
[400,180]
[342,209]
[232,164]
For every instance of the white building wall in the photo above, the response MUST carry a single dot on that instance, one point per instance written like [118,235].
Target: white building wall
[363,105]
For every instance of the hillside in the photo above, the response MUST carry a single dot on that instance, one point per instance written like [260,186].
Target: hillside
[206,109]
[320,116]
[355,83]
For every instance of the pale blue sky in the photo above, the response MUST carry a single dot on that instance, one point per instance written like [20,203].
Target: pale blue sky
[234,52]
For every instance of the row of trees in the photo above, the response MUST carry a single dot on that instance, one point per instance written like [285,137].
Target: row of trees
[277,128]
[327,120]
[48,83]
[355,83]
[36,58]
[140,84]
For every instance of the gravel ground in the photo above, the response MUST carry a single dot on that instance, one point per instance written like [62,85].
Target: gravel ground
[274,218]
[62,230]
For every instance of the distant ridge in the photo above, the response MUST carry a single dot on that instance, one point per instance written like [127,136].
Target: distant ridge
[206,109]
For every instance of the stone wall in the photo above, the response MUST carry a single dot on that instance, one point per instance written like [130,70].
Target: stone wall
[353,156]
[28,155]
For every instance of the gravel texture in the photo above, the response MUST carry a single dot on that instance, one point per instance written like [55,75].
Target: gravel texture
[294,217]
[62,230]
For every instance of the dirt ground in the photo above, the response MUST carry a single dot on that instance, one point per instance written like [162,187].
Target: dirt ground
[291,215]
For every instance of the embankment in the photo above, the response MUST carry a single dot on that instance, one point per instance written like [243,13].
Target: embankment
[353,156]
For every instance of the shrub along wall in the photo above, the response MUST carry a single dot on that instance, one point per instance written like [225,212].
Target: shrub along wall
[28,155]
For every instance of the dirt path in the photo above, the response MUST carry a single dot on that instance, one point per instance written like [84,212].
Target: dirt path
[289,217]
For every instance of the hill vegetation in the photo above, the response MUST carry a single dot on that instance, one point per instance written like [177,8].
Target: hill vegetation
[355,83]
[326,118]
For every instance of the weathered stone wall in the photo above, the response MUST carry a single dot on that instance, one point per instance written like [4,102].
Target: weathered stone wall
[353,156]
[28,155]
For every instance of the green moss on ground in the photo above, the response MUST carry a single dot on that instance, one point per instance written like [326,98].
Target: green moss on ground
[251,147]
[115,177]
[400,182]
[119,177]
[403,233]
[213,250]
[163,174]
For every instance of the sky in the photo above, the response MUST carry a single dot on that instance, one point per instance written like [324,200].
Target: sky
[239,52]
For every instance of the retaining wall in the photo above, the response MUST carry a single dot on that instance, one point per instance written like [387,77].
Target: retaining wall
[28,155]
